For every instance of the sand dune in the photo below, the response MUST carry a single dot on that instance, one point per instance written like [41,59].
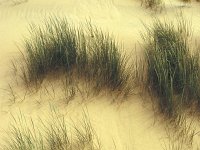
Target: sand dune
[130,125]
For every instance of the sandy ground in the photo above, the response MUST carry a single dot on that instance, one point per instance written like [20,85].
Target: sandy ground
[130,125]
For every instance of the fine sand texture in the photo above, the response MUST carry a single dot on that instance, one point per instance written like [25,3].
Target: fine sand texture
[121,123]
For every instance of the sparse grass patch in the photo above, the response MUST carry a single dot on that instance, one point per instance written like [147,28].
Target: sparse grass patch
[172,71]
[180,133]
[52,134]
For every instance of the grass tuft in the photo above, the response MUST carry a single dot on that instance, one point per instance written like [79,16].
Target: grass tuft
[107,64]
[173,72]
[50,47]
[87,53]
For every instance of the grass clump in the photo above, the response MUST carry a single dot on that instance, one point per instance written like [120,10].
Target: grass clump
[52,134]
[106,65]
[50,48]
[87,53]
[173,72]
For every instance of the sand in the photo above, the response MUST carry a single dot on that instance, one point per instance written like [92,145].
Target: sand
[131,124]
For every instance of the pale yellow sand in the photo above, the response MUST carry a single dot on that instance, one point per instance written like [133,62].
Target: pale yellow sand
[130,125]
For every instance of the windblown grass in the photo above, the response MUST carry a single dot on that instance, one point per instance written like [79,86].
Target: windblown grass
[87,53]
[106,65]
[52,134]
[173,72]
[50,48]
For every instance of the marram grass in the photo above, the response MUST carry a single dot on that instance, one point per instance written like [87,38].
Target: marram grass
[85,52]
[53,133]
[106,65]
[50,47]
[172,71]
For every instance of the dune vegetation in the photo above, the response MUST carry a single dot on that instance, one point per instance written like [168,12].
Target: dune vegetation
[52,133]
[172,69]
[87,54]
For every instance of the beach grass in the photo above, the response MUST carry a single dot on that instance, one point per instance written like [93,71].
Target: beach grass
[172,70]
[52,133]
[86,53]
[50,48]
[107,65]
